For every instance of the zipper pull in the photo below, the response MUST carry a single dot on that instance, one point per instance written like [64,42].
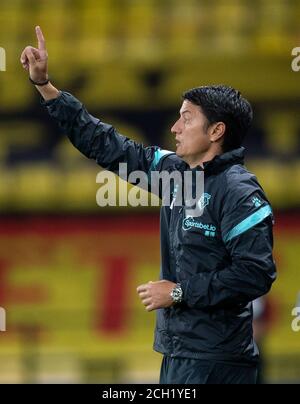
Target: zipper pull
[174,196]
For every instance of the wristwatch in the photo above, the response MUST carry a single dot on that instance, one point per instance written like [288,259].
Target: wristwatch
[176,293]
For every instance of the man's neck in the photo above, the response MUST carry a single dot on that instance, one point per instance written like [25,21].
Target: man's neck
[195,161]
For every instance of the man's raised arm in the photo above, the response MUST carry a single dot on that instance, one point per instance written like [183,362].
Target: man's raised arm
[94,138]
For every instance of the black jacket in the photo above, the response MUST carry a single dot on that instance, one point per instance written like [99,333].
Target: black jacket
[222,259]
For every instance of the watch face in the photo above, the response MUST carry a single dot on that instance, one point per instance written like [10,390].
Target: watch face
[177,294]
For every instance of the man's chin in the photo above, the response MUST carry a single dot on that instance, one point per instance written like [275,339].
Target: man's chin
[179,152]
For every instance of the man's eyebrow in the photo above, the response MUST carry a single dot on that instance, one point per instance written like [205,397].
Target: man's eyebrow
[184,112]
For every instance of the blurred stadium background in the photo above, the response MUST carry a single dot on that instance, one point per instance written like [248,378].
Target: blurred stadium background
[69,269]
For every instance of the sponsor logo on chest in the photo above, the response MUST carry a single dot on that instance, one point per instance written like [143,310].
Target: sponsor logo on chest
[209,229]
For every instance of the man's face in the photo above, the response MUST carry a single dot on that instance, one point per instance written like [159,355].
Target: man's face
[192,139]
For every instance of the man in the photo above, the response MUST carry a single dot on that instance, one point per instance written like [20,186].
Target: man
[213,265]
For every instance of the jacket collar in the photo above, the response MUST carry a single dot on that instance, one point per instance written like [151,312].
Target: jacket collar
[218,163]
[222,161]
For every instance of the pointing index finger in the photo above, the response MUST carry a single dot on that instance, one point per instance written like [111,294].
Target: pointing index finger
[41,39]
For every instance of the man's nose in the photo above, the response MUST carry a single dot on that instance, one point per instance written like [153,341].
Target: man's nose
[175,128]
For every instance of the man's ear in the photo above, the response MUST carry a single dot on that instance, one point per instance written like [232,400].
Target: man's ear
[217,131]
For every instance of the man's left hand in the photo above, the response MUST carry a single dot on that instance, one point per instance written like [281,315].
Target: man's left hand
[156,295]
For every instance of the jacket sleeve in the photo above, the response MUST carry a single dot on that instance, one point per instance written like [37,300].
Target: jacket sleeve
[246,226]
[100,141]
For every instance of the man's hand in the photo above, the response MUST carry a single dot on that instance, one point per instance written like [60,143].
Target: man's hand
[156,295]
[36,60]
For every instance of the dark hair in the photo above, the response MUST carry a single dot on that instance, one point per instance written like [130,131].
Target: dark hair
[220,103]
